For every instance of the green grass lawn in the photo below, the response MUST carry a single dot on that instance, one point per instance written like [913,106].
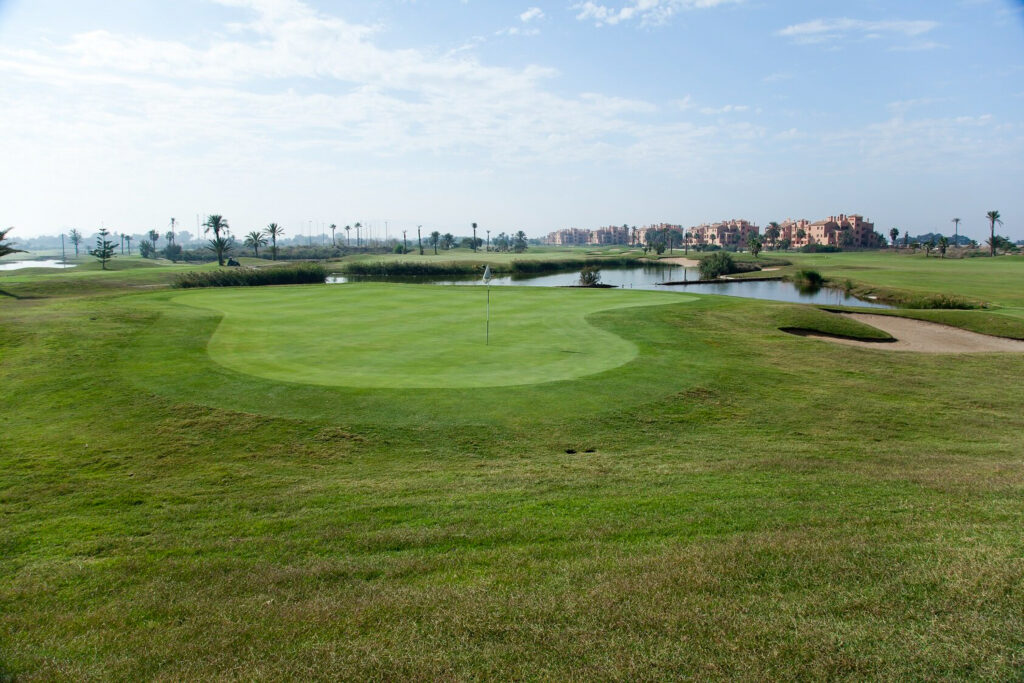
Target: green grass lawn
[999,281]
[389,335]
[726,501]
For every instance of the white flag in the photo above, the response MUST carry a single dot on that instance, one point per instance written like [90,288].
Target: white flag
[487,273]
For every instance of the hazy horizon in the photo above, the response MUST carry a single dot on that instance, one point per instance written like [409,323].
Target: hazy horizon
[534,116]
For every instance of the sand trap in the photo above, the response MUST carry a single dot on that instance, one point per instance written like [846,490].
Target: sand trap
[925,337]
[680,261]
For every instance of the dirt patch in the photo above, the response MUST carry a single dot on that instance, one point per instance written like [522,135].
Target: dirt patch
[923,337]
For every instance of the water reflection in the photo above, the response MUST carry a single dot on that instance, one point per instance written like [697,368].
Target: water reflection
[651,277]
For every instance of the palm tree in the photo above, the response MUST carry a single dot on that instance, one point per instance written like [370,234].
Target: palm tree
[993,218]
[154,237]
[894,234]
[6,249]
[218,244]
[169,237]
[772,233]
[754,245]
[447,240]
[358,225]
[76,239]
[255,240]
[434,238]
[333,228]
[801,234]
[943,245]
[956,231]
[348,235]
[128,239]
[273,231]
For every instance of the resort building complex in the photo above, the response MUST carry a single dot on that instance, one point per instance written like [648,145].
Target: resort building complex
[835,231]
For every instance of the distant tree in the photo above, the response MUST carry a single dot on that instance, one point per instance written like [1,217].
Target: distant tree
[433,240]
[76,238]
[993,218]
[928,246]
[348,235]
[801,234]
[154,237]
[474,236]
[273,231]
[333,228]
[105,248]
[519,244]
[754,245]
[1000,242]
[419,238]
[943,245]
[447,241]
[128,240]
[172,252]
[256,239]
[220,245]
[956,230]
[894,233]
[845,238]
[357,226]
[772,233]
[146,249]
[169,236]
[906,239]
[6,249]
[785,244]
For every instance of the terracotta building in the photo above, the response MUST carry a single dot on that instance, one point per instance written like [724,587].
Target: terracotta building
[734,233]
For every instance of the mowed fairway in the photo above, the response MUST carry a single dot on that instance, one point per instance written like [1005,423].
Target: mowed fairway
[393,336]
[732,502]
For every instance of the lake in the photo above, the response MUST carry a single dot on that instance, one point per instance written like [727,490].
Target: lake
[651,277]
[45,263]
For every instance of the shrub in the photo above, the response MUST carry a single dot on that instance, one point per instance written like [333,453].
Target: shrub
[590,276]
[716,264]
[808,278]
[819,249]
[294,274]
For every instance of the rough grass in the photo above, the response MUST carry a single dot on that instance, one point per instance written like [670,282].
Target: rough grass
[468,269]
[740,504]
[293,274]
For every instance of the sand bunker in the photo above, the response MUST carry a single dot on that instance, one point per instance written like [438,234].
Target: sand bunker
[680,261]
[925,337]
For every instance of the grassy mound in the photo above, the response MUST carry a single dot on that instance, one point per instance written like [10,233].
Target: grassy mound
[798,319]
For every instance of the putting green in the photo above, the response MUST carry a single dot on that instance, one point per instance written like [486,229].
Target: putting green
[416,336]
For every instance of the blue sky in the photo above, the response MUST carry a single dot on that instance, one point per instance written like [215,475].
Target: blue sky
[517,115]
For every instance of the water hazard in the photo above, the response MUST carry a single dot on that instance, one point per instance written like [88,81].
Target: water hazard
[651,277]
[45,263]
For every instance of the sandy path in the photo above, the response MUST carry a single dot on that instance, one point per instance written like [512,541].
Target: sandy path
[925,337]
[680,261]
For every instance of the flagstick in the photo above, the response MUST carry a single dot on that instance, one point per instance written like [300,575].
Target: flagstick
[487,339]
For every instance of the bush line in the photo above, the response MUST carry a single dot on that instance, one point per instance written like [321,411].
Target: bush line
[292,274]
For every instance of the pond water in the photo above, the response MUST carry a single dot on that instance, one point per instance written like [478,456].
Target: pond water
[45,263]
[651,277]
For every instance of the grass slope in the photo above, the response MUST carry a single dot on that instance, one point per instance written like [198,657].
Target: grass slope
[739,503]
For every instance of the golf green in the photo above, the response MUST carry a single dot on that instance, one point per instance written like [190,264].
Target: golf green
[411,336]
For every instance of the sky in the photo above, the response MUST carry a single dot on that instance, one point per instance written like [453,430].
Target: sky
[533,115]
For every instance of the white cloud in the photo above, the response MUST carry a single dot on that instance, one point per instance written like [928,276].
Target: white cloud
[826,30]
[727,109]
[531,14]
[647,12]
